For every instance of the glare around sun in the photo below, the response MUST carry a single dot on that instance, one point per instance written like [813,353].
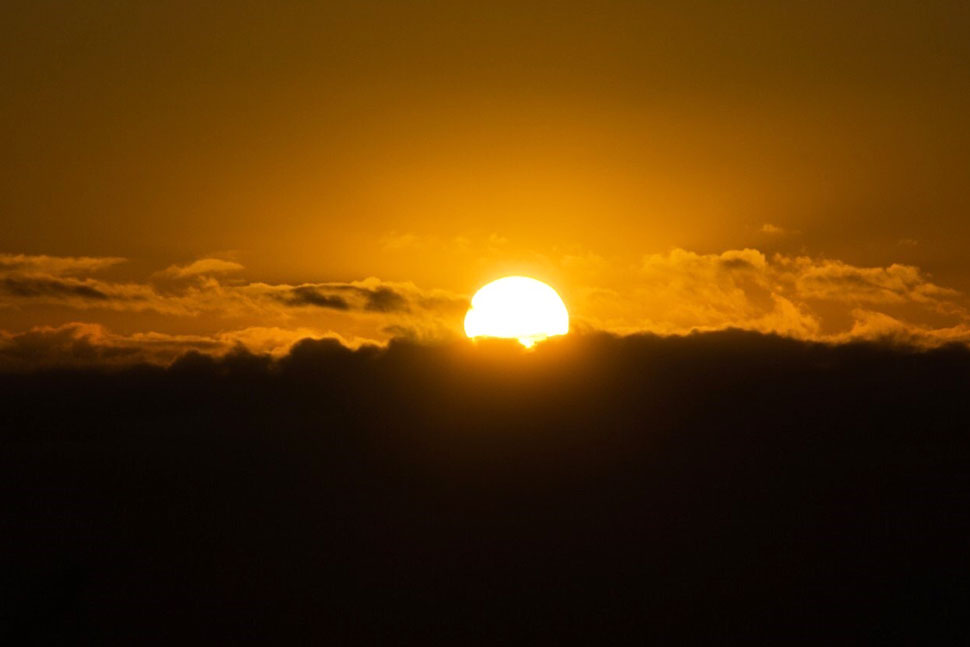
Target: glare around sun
[517,307]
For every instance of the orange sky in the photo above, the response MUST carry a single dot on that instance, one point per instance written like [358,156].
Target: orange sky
[790,167]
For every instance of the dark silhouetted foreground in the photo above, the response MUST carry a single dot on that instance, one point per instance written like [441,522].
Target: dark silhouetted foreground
[729,487]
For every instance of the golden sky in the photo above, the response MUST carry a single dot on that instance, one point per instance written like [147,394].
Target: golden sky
[198,173]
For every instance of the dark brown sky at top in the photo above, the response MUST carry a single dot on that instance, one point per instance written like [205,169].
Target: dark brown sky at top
[447,143]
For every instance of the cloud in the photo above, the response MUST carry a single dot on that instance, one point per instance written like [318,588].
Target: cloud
[385,299]
[201,267]
[55,265]
[26,282]
[775,230]
[675,292]
[880,327]
[833,280]
[76,344]
[368,295]
[91,345]
[24,291]
[50,287]
[310,296]
[63,280]
[380,298]
[680,291]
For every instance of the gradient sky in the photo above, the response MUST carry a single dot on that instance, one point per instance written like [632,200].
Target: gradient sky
[667,166]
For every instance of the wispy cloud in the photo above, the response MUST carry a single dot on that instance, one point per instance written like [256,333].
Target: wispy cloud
[201,267]
[55,265]
[775,230]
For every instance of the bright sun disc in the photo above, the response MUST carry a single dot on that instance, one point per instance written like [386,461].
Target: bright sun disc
[517,307]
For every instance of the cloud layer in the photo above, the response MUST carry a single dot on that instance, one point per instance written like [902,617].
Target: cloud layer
[209,304]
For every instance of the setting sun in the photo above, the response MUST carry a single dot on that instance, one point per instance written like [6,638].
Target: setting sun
[517,307]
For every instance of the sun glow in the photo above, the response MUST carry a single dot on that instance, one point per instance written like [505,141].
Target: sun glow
[517,307]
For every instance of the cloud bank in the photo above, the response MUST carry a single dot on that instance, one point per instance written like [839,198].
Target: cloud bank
[798,296]
[599,488]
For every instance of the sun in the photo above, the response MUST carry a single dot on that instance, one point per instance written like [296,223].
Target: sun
[517,307]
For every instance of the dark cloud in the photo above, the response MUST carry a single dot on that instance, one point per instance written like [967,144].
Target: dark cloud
[70,345]
[50,287]
[384,299]
[379,298]
[309,296]
[736,263]
[598,488]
